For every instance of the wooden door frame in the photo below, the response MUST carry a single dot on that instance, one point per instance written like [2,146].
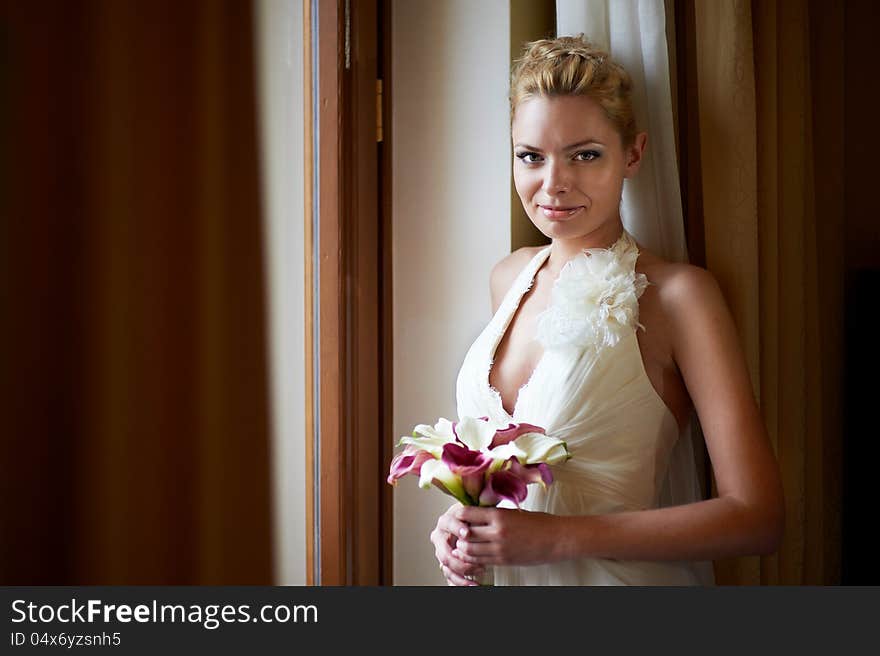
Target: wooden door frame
[348,293]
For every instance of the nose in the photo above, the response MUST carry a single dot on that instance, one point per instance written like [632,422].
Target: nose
[556,178]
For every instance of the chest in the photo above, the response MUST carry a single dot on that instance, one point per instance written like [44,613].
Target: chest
[518,352]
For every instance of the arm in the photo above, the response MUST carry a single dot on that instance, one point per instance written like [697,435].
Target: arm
[746,518]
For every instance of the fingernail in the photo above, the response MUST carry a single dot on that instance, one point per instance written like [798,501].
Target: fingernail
[456,553]
[463,532]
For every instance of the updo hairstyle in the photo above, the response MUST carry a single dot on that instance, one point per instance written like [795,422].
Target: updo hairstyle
[572,66]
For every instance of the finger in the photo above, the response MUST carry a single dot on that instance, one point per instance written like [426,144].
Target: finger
[452,525]
[473,515]
[479,534]
[456,563]
[475,552]
[463,566]
[456,579]
[471,561]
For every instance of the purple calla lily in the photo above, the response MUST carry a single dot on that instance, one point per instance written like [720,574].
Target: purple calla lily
[410,461]
[503,484]
[512,432]
[539,473]
[470,465]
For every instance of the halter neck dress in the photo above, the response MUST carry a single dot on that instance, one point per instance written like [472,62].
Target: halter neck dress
[590,389]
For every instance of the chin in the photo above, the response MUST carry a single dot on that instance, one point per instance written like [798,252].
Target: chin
[561,229]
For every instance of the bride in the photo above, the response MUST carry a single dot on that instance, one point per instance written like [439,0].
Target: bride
[609,347]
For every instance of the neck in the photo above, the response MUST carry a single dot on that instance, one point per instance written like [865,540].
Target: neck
[562,250]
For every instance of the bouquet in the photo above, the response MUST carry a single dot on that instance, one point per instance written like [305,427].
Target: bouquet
[478,462]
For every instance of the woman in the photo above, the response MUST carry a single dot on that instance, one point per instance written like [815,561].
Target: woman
[610,348]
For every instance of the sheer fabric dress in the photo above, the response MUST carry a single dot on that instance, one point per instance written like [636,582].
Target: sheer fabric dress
[590,389]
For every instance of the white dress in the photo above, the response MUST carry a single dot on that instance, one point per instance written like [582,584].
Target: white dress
[590,389]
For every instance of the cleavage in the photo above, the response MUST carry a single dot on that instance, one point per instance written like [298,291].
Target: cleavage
[518,353]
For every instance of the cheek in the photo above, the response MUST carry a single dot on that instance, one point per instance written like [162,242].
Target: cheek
[602,182]
[526,183]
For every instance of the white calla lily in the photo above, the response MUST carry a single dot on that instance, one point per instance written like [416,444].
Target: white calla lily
[476,434]
[509,450]
[539,448]
[431,439]
[437,470]
[443,427]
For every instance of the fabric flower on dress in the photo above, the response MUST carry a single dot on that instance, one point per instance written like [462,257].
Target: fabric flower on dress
[594,301]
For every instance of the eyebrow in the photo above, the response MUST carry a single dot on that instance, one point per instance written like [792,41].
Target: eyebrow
[570,147]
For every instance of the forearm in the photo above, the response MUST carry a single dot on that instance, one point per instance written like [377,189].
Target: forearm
[705,530]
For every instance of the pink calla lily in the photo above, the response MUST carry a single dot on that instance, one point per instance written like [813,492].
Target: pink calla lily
[409,461]
[539,473]
[470,465]
[512,432]
[503,484]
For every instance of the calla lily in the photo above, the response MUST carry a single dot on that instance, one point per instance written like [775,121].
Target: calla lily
[539,473]
[410,461]
[475,434]
[436,472]
[537,448]
[431,439]
[470,465]
[512,432]
[503,485]
[526,442]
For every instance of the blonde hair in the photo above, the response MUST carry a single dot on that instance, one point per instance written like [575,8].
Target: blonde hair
[572,66]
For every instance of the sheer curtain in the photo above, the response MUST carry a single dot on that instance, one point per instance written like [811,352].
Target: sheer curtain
[634,32]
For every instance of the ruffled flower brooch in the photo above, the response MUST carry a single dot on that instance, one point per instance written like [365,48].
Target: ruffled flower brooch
[595,299]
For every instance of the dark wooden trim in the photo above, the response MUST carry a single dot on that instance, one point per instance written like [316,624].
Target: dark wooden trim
[353,267]
[364,234]
[387,311]
[331,298]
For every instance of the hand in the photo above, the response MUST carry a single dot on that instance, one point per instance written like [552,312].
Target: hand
[444,536]
[502,536]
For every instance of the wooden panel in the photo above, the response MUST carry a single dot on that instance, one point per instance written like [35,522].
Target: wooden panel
[332,296]
[386,296]
[353,351]
[366,446]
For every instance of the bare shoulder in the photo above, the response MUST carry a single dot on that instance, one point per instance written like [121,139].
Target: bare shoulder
[506,270]
[680,287]
[701,336]
[681,299]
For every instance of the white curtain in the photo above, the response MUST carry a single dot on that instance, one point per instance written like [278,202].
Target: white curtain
[634,33]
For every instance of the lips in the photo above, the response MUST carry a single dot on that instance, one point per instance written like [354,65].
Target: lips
[559,212]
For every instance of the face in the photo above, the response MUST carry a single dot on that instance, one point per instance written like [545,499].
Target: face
[569,165]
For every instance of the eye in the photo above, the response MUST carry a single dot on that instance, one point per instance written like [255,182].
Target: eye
[588,155]
[529,157]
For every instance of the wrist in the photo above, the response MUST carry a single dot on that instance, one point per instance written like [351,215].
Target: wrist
[574,531]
